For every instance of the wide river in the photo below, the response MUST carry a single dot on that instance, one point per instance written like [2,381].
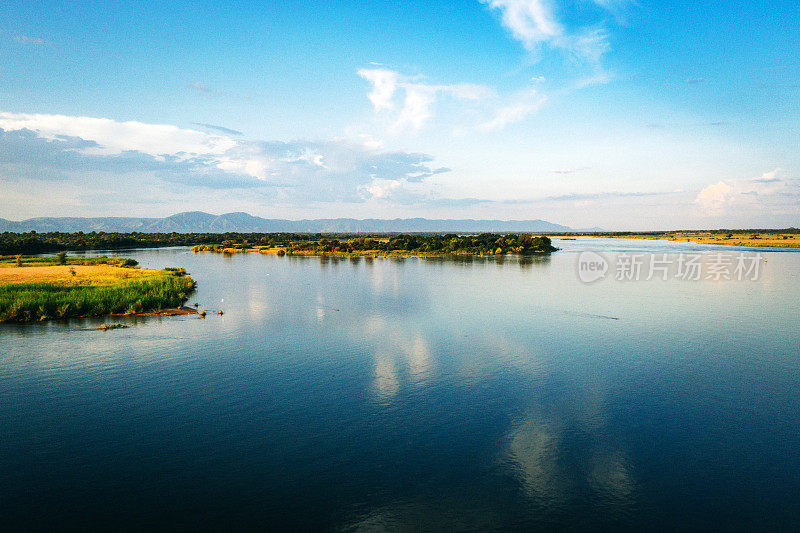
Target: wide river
[419,394]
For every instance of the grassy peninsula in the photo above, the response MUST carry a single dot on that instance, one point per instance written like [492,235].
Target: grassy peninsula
[33,289]
[785,238]
[397,245]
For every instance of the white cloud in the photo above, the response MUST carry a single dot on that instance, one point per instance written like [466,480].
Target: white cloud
[533,23]
[767,192]
[418,98]
[55,147]
[369,141]
[114,137]
[417,106]
[382,189]
[715,198]
[411,103]
[530,21]
[384,85]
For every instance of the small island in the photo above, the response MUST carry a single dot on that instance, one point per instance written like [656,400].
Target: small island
[42,288]
[396,245]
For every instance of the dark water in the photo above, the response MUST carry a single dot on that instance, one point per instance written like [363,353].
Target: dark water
[414,395]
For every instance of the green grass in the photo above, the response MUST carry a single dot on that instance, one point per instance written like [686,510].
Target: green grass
[53,260]
[27,302]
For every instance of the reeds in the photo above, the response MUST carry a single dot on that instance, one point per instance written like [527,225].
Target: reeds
[26,302]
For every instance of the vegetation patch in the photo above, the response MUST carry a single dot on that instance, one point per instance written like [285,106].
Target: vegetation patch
[49,291]
[422,245]
[33,243]
[61,259]
[787,238]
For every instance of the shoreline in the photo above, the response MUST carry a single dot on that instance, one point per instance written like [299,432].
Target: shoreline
[743,240]
[365,253]
[169,311]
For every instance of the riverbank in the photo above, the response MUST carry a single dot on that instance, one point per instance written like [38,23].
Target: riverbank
[754,239]
[40,290]
[396,246]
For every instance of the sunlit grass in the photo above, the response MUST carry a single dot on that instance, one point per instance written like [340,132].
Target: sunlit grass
[25,302]
[8,261]
[753,238]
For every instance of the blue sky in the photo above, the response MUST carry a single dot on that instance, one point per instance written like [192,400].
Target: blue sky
[588,113]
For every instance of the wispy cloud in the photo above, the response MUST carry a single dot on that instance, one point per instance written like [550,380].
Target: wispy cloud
[410,103]
[201,87]
[221,129]
[685,125]
[25,39]
[568,170]
[534,23]
[603,195]
[517,109]
[530,21]
[412,99]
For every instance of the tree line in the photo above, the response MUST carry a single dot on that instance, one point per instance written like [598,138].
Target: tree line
[485,243]
[39,243]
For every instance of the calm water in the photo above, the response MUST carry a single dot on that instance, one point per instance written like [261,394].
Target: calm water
[414,394]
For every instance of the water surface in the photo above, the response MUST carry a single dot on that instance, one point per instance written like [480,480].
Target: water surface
[360,394]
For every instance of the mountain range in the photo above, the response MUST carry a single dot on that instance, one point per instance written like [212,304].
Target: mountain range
[199,222]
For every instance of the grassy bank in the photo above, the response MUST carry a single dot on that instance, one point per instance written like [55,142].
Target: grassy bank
[62,259]
[47,290]
[751,238]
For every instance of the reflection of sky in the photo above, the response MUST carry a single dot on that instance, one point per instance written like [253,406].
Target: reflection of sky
[540,457]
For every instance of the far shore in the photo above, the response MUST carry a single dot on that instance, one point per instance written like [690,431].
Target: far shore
[752,239]
[359,253]
[394,246]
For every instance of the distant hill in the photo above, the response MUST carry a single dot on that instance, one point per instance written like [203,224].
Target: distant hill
[199,222]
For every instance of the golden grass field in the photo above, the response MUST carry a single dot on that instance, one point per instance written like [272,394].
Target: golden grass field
[62,275]
[754,239]
[36,292]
